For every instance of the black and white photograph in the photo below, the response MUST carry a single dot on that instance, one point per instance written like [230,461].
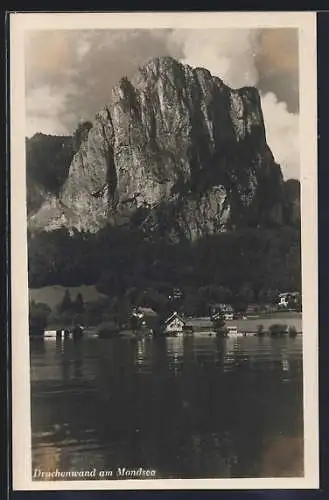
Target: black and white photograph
[164,279]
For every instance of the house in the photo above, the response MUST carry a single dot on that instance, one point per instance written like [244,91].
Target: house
[144,317]
[136,313]
[288,298]
[174,324]
[225,309]
[175,294]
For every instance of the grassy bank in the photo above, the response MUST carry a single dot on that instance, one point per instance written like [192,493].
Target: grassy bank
[251,325]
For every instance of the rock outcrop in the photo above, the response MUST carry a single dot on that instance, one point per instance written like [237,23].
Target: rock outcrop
[177,150]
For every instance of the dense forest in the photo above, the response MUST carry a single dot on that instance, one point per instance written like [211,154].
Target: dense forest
[253,262]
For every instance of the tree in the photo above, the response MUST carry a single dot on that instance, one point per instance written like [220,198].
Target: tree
[215,293]
[132,294]
[294,302]
[267,296]
[122,310]
[155,300]
[224,268]
[299,304]
[135,322]
[218,322]
[246,294]
[81,134]
[202,303]
[66,305]
[191,304]
[79,305]
[98,311]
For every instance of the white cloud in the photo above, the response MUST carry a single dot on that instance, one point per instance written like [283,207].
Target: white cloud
[226,53]
[282,131]
[44,107]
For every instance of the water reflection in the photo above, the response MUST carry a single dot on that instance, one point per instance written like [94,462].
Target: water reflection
[185,406]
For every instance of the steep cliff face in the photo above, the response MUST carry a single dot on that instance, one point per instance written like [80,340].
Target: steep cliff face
[177,150]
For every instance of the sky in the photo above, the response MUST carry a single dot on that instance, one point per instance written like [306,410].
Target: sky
[69,74]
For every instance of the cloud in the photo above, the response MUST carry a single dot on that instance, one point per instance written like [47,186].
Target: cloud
[44,107]
[70,74]
[226,53]
[282,131]
[82,67]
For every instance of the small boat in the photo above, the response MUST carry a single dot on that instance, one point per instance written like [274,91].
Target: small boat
[50,334]
[232,331]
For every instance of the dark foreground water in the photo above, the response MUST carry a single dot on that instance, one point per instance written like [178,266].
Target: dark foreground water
[184,408]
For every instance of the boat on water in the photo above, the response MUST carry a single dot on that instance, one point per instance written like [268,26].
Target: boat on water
[232,331]
[228,331]
[50,334]
[75,333]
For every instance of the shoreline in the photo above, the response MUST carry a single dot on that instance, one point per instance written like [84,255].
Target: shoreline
[200,326]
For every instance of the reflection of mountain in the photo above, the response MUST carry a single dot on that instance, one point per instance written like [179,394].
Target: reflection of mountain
[263,350]
[48,459]
[62,361]
[48,368]
[178,410]
[283,456]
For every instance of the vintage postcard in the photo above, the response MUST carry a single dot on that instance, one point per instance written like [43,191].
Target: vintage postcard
[164,251]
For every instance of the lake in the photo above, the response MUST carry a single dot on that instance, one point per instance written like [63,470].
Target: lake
[195,407]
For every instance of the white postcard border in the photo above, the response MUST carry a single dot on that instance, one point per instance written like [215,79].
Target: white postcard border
[21,426]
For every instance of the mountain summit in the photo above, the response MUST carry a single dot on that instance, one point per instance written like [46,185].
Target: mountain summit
[177,152]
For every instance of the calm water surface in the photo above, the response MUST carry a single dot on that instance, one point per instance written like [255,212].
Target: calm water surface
[187,408]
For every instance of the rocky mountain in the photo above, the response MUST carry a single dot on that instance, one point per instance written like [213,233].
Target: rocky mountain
[177,152]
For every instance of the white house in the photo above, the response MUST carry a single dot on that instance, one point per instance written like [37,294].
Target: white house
[174,324]
[284,298]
